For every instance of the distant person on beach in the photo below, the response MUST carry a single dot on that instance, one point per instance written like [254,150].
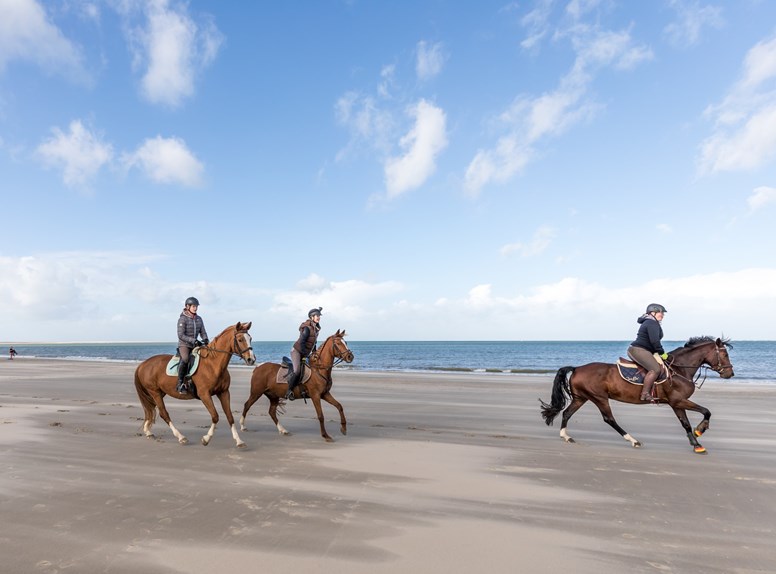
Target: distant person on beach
[190,326]
[12,352]
[647,344]
[305,344]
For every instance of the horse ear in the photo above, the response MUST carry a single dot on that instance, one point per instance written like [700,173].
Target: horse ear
[247,325]
[343,333]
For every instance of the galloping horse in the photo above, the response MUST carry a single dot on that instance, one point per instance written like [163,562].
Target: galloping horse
[599,382]
[211,378]
[264,382]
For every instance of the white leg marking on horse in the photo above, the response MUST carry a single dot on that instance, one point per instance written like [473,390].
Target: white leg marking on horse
[633,441]
[565,436]
[236,436]
[242,424]
[147,429]
[181,439]
[209,435]
[281,429]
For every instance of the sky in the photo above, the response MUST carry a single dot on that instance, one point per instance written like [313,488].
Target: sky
[424,170]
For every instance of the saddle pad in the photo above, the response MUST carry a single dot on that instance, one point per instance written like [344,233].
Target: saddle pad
[172,365]
[634,373]
[283,372]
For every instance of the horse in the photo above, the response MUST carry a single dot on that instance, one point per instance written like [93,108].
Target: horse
[599,382]
[264,382]
[211,378]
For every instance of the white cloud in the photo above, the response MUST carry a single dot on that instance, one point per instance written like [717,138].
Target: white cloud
[761,196]
[530,120]
[744,136]
[27,34]
[540,241]
[80,152]
[369,125]
[691,18]
[664,228]
[171,49]
[430,60]
[167,161]
[423,143]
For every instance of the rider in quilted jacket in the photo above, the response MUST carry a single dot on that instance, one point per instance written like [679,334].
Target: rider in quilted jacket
[190,326]
[305,344]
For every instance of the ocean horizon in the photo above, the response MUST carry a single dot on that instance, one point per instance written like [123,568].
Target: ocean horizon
[754,361]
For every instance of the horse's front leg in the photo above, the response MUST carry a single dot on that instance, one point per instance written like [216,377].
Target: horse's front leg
[319,411]
[207,400]
[336,404]
[226,406]
[681,413]
[606,411]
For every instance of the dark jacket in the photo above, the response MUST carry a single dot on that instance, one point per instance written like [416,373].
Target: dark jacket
[649,335]
[308,335]
[189,327]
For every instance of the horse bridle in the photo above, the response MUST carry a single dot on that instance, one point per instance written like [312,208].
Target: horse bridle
[238,353]
[718,369]
[337,360]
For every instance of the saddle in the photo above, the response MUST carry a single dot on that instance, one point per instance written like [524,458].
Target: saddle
[285,365]
[172,365]
[634,373]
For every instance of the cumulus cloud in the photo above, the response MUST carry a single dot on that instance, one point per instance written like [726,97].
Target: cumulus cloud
[691,19]
[530,120]
[167,161]
[422,144]
[761,196]
[430,59]
[541,239]
[27,34]
[744,136]
[80,153]
[171,49]
[369,125]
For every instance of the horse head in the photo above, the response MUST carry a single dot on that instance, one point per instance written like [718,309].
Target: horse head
[241,343]
[715,354]
[341,350]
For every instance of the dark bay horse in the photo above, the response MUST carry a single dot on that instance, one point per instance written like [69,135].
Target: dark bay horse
[264,382]
[211,378]
[599,382]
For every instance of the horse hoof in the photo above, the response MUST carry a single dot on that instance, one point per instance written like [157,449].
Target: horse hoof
[328,439]
[699,450]
[150,435]
[569,440]
[344,430]
[205,441]
[183,440]
[241,445]
[637,444]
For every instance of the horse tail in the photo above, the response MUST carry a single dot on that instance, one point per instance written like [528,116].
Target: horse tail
[146,400]
[561,392]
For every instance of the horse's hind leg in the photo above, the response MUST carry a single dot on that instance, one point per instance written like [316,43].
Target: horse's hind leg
[226,406]
[336,404]
[273,413]
[576,403]
[606,412]
[246,407]
[159,400]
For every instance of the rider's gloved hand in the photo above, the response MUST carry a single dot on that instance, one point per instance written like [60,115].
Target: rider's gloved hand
[664,356]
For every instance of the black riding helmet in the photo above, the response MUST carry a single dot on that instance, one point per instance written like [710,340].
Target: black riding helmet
[656,308]
[191,301]
[314,312]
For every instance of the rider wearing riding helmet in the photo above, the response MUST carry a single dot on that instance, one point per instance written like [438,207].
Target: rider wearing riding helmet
[647,344]
[305,344]
[190,326]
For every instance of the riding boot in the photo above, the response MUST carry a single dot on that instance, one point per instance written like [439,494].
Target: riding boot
[649,382]
[182,369]
[291,378]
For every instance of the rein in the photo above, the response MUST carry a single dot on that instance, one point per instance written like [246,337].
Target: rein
[702,370]
[237,353]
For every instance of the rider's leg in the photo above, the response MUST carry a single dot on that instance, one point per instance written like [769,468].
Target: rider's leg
[644,358]
[296,360]
[649,382]
[183,368]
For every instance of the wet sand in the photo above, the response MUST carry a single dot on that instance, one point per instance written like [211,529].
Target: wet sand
[438,473]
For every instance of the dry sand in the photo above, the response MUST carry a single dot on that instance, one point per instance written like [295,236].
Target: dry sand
[438,473]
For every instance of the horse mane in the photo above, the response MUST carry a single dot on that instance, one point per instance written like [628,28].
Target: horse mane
[696,341]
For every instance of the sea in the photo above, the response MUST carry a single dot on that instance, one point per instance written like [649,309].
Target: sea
[753,361]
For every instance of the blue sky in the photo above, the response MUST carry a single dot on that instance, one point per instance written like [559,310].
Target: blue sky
[422,170]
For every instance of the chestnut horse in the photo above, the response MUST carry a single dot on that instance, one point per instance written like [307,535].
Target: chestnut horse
[211,378]
[318,386]
[599,382]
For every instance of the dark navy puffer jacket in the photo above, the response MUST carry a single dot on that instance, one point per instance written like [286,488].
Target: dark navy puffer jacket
[189,326]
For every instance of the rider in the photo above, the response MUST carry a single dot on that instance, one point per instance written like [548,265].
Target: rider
[305,344]
[646,344]
[190,326]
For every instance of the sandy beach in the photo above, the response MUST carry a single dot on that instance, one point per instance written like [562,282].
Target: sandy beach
[438,473]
